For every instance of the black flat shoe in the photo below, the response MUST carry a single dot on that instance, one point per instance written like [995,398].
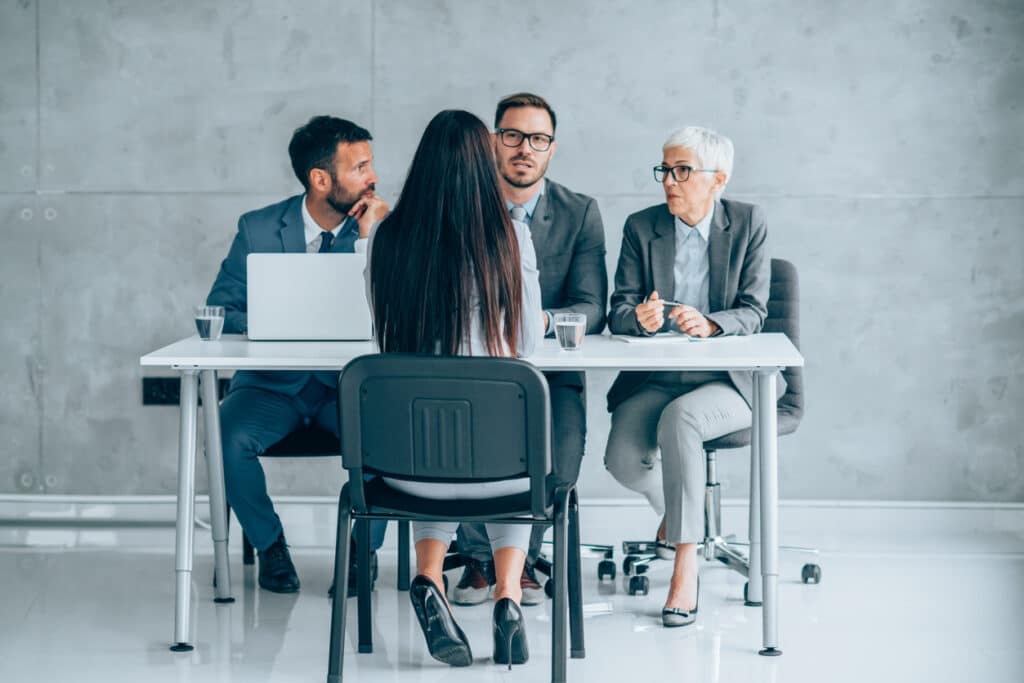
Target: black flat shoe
[277,573]
[509,634]
[445,640]
[674,616]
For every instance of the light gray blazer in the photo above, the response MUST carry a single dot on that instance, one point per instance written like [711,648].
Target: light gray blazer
[738,270]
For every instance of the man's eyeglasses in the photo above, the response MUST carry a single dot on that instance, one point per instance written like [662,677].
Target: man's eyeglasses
[510,137]
[679,173]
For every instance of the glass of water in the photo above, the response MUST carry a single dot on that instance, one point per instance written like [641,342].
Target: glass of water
[209,322]
[569,330]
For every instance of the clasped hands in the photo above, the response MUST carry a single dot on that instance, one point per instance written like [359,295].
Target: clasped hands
[651,316]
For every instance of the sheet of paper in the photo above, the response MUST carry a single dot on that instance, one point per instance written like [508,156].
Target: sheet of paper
[660,338]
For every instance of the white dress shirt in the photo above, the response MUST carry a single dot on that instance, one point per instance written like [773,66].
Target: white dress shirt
[314,233]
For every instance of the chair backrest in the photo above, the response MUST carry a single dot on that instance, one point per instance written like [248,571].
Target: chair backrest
[784,316]
[445,419]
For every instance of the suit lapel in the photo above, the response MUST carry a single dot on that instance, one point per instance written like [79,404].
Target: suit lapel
[293,234]
[719,249]
[540,226]
[663,255]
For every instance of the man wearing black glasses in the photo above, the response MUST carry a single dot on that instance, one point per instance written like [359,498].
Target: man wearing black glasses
[694,265]
[569,239]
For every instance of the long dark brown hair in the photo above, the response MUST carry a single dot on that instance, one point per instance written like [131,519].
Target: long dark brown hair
[448,236]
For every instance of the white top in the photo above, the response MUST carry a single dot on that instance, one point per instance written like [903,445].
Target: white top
[531,331]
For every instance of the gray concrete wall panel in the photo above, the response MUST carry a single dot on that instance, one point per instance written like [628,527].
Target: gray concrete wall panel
[22,363]
[193,96]
[18,96]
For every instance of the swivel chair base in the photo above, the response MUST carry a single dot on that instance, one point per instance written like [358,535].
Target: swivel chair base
[725,549]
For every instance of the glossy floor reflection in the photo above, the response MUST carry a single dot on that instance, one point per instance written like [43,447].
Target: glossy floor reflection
[921,603]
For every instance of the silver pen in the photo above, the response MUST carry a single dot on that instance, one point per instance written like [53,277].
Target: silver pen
[667,302]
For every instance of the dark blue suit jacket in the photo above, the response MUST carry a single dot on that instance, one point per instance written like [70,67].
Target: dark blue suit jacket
[274,229]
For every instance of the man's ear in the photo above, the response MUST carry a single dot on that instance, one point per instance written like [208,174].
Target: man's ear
[554,146]
[319,180]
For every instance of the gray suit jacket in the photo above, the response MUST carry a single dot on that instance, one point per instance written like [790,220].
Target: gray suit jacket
[738,270]
[568,237]
[273,229]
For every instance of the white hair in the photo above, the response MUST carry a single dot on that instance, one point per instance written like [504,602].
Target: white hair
[712,149]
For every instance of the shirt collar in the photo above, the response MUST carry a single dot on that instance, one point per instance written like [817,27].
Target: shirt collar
[311,227]
[531,205]
[703,227]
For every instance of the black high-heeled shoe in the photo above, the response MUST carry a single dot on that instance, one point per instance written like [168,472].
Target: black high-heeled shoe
[445,640]
[509,634]
[674,616]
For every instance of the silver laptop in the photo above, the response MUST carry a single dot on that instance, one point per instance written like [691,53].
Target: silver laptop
[306,297]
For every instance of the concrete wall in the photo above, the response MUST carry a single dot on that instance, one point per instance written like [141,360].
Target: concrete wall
[884,139]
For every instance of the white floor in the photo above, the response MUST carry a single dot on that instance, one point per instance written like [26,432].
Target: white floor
[908,594]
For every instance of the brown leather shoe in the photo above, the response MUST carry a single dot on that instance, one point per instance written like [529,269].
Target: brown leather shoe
[474,585]
[533,592]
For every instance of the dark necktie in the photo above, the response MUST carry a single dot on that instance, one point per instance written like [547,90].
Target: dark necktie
[326,240]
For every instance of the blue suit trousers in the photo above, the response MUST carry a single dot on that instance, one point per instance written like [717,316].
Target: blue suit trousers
[254,419]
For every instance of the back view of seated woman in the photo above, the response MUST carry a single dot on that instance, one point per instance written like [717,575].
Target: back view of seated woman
[448,272]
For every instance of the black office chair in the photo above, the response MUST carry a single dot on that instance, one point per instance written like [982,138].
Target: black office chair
[783,316]
[450,419]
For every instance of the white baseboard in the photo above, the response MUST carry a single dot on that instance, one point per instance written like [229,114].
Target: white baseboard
[82,521]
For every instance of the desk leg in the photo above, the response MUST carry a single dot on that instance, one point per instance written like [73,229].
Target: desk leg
[768,447]
[753,596]
[215,471]
[186,510]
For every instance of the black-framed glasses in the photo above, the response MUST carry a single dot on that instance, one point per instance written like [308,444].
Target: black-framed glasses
[510,137]
[679,173]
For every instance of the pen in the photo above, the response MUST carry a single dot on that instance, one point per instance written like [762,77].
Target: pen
[667,302]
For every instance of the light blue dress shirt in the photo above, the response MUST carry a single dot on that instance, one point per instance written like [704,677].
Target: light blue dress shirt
[690,271]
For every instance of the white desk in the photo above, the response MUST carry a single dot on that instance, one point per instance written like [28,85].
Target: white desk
[764,354]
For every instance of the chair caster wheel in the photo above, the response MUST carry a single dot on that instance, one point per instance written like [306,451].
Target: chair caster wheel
[606,570]
[639,585]
[811,573]
[549,588]
[628,563]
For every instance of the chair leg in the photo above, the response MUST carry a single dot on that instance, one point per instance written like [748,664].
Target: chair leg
[363,585]
[403,555]
[577,647]
[559,608]
[335,660]
[248,554]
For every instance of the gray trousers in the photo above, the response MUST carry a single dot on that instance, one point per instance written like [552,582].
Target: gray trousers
[674,421]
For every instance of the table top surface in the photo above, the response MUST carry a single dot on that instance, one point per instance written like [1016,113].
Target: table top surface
[235,352]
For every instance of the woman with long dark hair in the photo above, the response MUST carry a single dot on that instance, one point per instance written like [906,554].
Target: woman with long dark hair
[448,272]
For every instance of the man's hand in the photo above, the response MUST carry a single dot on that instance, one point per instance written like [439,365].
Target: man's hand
[692,322]
[651,313]
[544,317]
[367,211]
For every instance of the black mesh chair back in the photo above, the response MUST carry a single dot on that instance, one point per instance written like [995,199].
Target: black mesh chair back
[783,316]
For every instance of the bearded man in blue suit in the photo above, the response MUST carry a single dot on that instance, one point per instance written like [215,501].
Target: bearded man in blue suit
[332,159]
